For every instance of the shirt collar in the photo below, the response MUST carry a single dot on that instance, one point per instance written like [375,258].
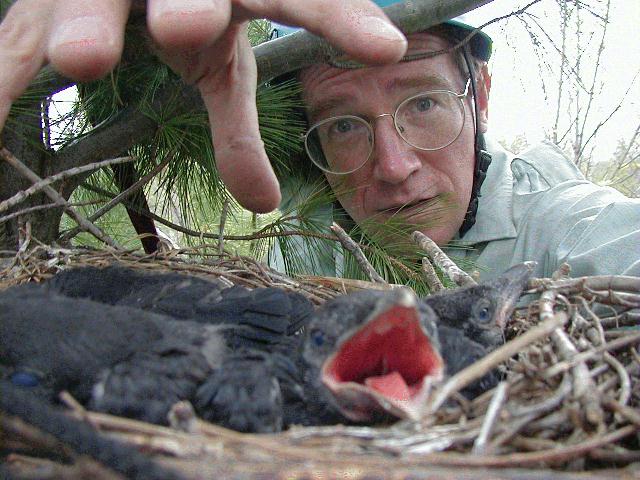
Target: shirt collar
[494,220]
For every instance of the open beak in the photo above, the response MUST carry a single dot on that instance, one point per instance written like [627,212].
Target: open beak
[387,366]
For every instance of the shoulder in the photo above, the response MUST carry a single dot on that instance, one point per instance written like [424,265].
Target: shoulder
[540,168]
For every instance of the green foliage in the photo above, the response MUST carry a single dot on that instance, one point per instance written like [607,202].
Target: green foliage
[622,172]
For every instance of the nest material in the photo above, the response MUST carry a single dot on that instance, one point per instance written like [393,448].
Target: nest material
[568,402]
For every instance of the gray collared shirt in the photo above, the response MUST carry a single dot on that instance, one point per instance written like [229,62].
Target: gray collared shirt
[533,206]
[538,206]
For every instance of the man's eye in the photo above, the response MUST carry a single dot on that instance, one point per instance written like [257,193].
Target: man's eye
[423,104]
[342,126]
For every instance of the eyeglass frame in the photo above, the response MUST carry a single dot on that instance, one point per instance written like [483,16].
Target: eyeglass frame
[459,96]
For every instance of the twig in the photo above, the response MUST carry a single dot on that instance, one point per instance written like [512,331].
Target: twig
[625,381]
[118,198]
[490,361]
[431,277]
[36,187]
[439,258]
[588,355]
[57,198]
[618,283]
[489,423]
[350,245]
[584,388]
[631,414]
[46,206]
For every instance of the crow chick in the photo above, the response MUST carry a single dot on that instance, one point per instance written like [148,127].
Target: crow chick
[373,354]
[272,311]
[136,363]
[78,437]
[369,356]
[471,321]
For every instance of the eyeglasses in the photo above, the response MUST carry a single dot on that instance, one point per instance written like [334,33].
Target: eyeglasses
[430,120]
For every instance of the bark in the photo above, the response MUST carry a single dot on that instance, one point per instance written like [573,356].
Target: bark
[125,176]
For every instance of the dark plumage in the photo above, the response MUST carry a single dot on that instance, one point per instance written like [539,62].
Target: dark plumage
[471,321]
[349,367]
[78,437]
[157,339]
[137,363]
[351,346]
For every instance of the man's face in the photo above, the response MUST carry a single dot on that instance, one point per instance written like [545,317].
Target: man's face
[429,189]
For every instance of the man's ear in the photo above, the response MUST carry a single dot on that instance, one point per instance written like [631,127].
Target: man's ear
[483,88]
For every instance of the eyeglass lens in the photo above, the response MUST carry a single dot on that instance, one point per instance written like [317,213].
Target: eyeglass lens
[427,121]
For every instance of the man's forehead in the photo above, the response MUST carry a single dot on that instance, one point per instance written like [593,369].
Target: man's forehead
[417,43]
[325,86]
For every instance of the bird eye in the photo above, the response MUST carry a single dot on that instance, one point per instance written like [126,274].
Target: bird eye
[317,337]
[482,311]
[25,379]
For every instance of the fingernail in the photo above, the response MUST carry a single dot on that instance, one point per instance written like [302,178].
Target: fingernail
[81,30]
[161,7]
[382,29]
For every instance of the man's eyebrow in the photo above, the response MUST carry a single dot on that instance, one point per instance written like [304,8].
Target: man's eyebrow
[319,112]
[425,82]
[422,81]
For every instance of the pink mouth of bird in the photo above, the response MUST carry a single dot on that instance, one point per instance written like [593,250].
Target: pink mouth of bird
[387,366]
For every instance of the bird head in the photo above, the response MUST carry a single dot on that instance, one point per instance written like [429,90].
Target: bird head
[374,354]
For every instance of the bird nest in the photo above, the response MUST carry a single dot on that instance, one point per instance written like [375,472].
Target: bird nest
[568,402]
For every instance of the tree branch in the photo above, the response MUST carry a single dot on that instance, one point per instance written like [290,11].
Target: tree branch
[57,198]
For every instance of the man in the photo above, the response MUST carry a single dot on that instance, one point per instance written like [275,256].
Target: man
[536,207]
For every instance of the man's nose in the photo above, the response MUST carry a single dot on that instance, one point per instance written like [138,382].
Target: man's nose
[394,159]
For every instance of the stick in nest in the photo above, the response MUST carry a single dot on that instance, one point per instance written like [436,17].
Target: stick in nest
[348,243]
[442,261]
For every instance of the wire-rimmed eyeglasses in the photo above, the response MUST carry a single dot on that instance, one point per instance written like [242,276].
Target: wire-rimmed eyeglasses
[430,120]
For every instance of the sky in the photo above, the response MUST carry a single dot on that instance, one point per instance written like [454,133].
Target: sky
[518,103]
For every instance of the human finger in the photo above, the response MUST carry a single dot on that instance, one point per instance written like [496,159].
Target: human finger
[87,38]
[22,38]
[358,27]
[230,97]
[188,24]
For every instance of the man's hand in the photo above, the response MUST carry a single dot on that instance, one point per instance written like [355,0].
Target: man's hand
[203,40]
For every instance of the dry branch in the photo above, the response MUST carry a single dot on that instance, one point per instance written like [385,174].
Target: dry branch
[350,245]
[120,197]
[36,187]
[57,198]
[441,260]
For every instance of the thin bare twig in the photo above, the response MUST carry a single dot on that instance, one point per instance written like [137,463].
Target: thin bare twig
[431,277]
[36,187]
[439,258]
[349,244]
[118,198]
[489,423]
[83,223]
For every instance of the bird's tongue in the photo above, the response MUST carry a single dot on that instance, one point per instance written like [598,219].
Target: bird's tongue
[383,366]
[391,385]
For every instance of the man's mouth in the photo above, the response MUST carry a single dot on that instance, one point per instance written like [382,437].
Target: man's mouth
[410,209]
[386,367]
